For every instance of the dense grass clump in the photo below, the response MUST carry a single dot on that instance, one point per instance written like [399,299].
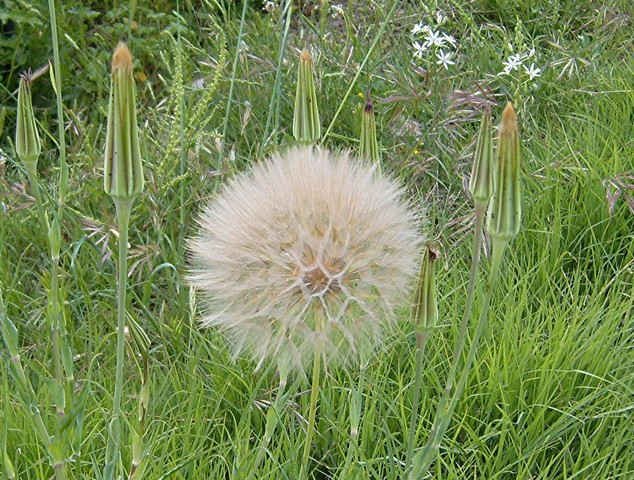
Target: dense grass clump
[550,392]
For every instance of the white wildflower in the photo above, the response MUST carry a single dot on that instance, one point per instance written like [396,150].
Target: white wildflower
[419,49]
[444,59]
[269,7]
[440,18]
[418,28]
[336,10]
[512,63]
[532,71]
[449,39]
[435,38]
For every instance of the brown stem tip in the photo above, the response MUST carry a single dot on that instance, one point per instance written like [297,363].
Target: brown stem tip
[305,56]
[121,58]
[509,119]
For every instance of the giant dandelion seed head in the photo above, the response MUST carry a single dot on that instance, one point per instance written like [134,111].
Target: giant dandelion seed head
[308,252]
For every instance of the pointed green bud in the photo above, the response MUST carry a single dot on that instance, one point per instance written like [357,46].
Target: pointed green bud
[8,330]
[306,125]
[481,180]
[425,313]
[368,143]
[505,210]
[123,171]
[54,237]
[27,139]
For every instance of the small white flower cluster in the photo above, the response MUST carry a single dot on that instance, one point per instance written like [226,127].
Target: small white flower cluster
[336,10]
[269,7]
[519,61]
[431,39]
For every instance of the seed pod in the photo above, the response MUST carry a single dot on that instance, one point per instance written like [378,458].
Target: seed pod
[481,181]
[27,140]
[123,171]
[306,125]
[425,313]
[505,210]
[368,143]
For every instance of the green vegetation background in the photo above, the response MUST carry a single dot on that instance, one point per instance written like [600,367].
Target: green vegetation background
[552,393]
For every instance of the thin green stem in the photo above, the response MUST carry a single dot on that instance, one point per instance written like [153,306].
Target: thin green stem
[312,413]
[480,211]
[225,125]
[63,167]
[25,389]
[273,112]
[113,450]
[61,350]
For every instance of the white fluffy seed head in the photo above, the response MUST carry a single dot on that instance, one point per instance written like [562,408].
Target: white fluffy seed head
[309,251]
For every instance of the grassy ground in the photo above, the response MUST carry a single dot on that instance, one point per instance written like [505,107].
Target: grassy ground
[551,395]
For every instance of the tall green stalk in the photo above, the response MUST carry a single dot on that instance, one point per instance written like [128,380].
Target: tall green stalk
[63,167]
[113,455]
[123,181]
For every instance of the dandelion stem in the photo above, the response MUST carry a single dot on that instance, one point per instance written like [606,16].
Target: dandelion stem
[113,453]
[312,413]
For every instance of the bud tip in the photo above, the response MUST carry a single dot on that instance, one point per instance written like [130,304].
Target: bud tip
[121,58]
[305,56]
[509,118]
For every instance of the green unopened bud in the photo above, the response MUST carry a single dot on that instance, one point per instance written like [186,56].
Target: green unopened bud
[505,209]
[481,181]
[27,139]
[54,237]
[306,125]
[9,331]
[123,171]
[425,313]
[368,143]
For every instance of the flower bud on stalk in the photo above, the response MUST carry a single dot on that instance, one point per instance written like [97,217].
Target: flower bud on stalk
[123,181]
[368,143]
[505,210]
[123,175]
[306,124]
[481,181]
[27,140]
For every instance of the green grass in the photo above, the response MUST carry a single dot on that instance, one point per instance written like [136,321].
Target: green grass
[551,394]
